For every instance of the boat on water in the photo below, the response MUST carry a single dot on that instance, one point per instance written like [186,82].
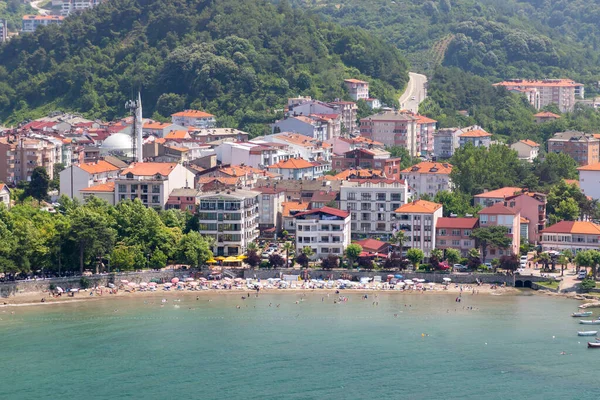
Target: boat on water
[593,345]
[589,322]
[587,333]
[582,314]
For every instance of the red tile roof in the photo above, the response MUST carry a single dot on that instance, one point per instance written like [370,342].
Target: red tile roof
[192,113]
[292,163]
[497,209]
[149,169]
[536,83]
[177,135]
[98,167]
[529,143]
[355,81]
[590,167]
[546,114]
[577,227]
[289,206]
[102,187]
[499,193]
[427,167]
[475,133]
[456,223]
[419,207]
[371,244]
[327,210]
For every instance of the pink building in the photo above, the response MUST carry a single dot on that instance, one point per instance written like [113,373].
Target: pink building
[184,199]
[358,89]
[425,130]
[392,128]
[500,215]
[531,206]
[455,233]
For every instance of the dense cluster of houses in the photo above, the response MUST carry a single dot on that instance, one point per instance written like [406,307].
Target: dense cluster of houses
[322,176]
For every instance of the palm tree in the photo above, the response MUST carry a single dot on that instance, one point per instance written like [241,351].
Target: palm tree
[398,239]
[287,246]
[562,260]
[252,246]
[545,259]
[438,256]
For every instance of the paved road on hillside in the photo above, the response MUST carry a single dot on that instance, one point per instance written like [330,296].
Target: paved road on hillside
[35,5]
[415,92]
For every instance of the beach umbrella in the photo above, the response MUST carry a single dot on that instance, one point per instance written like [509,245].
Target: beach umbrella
[124,281]
[211,261]
[447,280]
[242,257]
[74,290]
[400,283]
[390,276]
[189,279]
[132,284]
[59,289]
[227,278]
[175,280]
[420,280]
[409,282]
[193,283]
[168,284]
[152,284]
[238,280]
[219,258]
[143,284]
[111,285]
[398,276]
[203,279]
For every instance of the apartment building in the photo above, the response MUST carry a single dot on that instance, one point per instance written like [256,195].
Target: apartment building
[489,198]
[194,118]
[358,89]
[455,233]
[392,128]
[3,30]
[445,142]
[71,6]
[288,210]
[374,159]
[257,154]
[348,110]
[527,150]
[325,230]
[428,178]
[31,22]
[531,206]
[582,147]
[151,182]
[298,168]
[270,206]
[76,178]
[373,205]
[206,135]
[304,146]
[103,191]
[418,220]
[184,199]
[21,155]
[571,235]
[313,127]
[231,218]
[500,215]
[426,129]
[541,93]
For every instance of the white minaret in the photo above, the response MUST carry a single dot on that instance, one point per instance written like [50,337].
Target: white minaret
[139,123]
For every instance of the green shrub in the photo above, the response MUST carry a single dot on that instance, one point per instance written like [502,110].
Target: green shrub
[84,282]
[52,287]
[264,264]
[588,284]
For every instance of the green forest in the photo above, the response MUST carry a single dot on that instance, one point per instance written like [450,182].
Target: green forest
[238,60]
[12,11]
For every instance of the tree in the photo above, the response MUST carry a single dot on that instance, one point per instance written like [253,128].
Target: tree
[588,284]
[588,258]
[330,262]
[563,261]
[555,167]
[303,260]
[545,259]
[169,103]
[496,236]
[510,263]
[474,258]
[288,246]
[453,256]
[252,258]
[415,256]
[276,261]
[158,260]
[308,251]
[92,233]
[252,246]
[437,255]
[566,210]
[193,249]
[40,182]
[456,203]
[125,258]
[353,252]
[397,240]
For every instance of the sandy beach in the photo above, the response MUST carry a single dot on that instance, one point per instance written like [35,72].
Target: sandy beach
[35,298]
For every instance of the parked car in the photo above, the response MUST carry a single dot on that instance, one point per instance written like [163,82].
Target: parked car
[582,274]
[459,267]
[488,265]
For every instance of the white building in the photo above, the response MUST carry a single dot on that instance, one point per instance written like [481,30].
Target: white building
[71,6]
[325,230]
[303,146]
[4,195]
[527,150]
[103,191]
[418,220]
[257,154]
[230,218]
[445,142]
[314,128]
[589,180]
[373,204]
[86,175]
[428,178]
[571,235]
[152,182]
[358,89]
[196,118]
[31,22]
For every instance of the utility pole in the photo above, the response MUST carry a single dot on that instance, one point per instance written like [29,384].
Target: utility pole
[72,166]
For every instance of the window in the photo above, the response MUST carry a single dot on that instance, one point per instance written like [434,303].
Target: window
[467,232]
[155,199]
[156,189]
[352,196]
[483,219]
[122,188]
[492,218]
[380,196]
[442,242]
[442,232]
[456,243]
[455,232]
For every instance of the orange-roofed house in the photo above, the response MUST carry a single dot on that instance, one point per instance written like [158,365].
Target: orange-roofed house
[152,182]
[294,168]
[541,93]
[477,137]
[31,22]
[571,235]
[455,233]
[86,175]
[527,150]
[589,180]
[104,191]
[500,215]
[428,177]
[489,198]
[180,134]
[418,220]
[306,147]
[196,118]
[325,230]
[160,129]
[545,116]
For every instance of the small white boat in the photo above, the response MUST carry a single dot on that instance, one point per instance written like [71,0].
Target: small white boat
[589,322]
[587,333]
[593,345]
[582,314]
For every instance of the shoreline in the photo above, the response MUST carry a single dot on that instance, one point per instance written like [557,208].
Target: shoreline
[34,298]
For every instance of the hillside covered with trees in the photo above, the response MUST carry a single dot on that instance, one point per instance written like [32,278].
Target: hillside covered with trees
[238,60]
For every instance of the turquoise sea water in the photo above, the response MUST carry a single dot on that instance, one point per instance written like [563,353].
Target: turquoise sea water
[506,347]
